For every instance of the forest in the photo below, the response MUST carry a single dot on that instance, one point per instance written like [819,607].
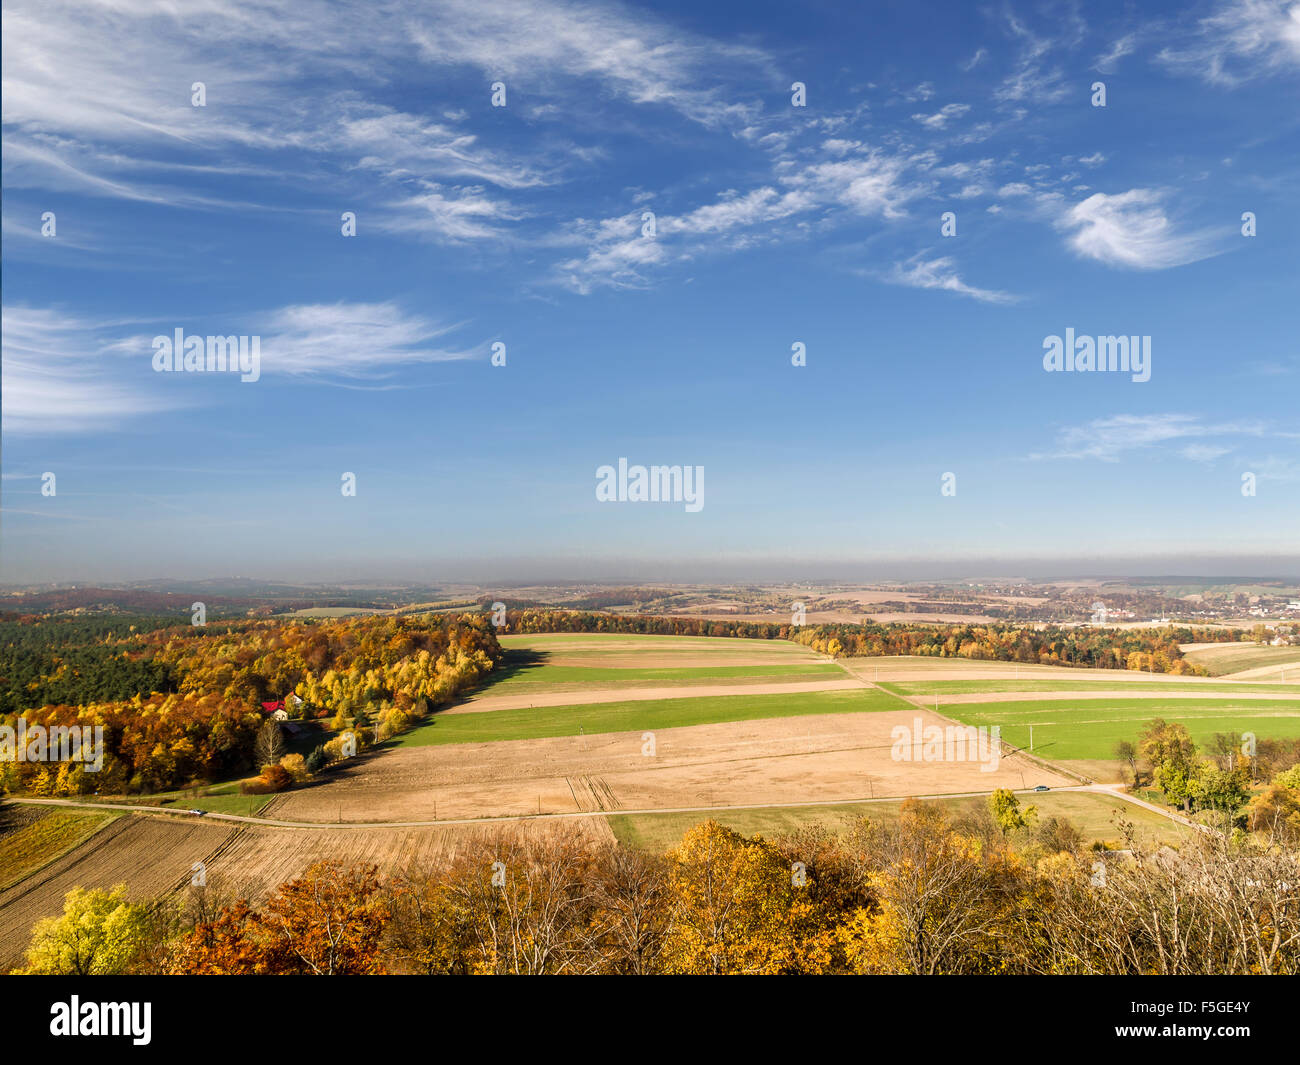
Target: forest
[181,706]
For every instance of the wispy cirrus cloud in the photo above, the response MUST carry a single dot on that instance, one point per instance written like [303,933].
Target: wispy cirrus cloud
[1108,61]
[854,180]
[97,97]
[352,340]
[1112,438]
[65,374]
[941,273]
[1241,41]
[1131,230]
[59,375]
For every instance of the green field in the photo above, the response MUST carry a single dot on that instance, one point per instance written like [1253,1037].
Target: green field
[1090,813]
[544,721]
[921,688]
[1090,729]
[517,675]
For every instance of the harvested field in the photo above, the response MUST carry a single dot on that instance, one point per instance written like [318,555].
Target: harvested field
[1086,695]
[154,856]
[1201,686]
[595,650]
[886,668]
[625,695]
[817,757]
[259,859]
[1233,658]
[151,855]
[517,676]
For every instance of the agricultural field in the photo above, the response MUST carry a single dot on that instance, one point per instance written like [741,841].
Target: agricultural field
[1237,658]
[788,760]
[33,836]
[891,668]
[1065,730]
[1200,686]
[1092,814]
[531,722]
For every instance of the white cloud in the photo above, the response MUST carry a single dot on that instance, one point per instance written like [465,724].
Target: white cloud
[1108,61]
[63,374]
[869,182]
[1110,439]
[941,118]
[941,273]
[450,215]
[349,340]
[96,95]
[1131,230]
[1242,40]
[58,376]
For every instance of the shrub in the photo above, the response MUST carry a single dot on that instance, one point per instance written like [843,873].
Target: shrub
[296,766]
[276,778]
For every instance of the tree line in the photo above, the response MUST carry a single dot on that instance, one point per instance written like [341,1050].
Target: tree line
[1155,650]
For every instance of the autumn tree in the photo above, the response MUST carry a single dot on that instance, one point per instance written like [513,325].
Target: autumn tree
[739,908]
[1006,811]
[99,933]
[328,922]
[940,899]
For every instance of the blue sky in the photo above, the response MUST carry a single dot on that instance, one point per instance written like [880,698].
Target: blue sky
[774,224]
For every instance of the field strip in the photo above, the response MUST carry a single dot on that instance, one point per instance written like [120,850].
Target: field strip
[1262,671]
[1052,696]
[1100,789]
[636,695]
[109,821]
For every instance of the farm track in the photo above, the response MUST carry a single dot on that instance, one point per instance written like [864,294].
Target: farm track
[1100,789]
